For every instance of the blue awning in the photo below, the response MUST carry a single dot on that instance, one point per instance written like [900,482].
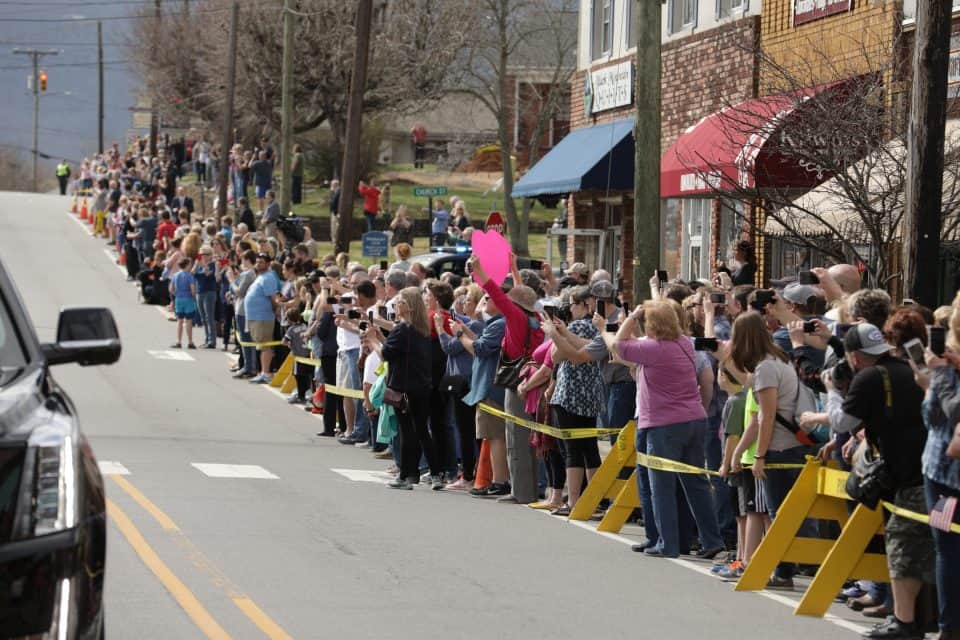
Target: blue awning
[599,157]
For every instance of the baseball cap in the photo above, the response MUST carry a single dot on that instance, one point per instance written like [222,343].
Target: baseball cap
[580,269]
[801,293]
[866,338]
[525,298]
[602,289]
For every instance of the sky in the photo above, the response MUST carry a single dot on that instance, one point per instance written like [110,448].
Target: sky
[68,109]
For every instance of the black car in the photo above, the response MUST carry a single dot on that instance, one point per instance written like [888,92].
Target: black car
[53,529]
[454,260]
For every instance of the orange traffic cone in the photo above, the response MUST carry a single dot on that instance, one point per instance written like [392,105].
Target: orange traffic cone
[73,209]
[484,468]
[123,258]
[83,209]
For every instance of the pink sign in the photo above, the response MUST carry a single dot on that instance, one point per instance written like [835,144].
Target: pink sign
[493,252]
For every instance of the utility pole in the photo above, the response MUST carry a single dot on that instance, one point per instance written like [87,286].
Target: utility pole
[154,116]
[646,182]
[228,115]
[925,136]
[100,80]
[286,106]
[35,55]
[351,151]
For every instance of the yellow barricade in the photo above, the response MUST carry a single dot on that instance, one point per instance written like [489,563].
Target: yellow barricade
[560,434]
[819,493]
[284,373]
[611,478]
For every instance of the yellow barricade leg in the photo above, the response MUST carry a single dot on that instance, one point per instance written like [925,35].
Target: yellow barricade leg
[781,535]
[608,480]
[619,512]
[843,561]
[289,385]
[284,372]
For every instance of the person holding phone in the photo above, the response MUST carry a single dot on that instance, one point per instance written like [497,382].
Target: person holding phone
[743,267]
[672,422]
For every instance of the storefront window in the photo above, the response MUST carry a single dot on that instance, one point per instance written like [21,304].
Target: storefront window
[731,228]
[670,236]
[696,238]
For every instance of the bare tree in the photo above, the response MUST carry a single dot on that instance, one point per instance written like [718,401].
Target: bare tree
[412,60]
[516,38]
[825,155]
[15,172]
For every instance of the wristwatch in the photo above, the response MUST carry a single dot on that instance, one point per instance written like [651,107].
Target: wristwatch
[759,457]
[459,334]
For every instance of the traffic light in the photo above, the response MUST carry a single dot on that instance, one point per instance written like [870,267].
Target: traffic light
[43,81]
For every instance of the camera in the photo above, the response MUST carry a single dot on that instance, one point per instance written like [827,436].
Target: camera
[807,277]
[363,325]
[354,314]
[809,326]
[718,298]
[840,374]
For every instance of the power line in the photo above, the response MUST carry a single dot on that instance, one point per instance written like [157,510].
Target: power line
[81,19]
[56,43]
[64,64]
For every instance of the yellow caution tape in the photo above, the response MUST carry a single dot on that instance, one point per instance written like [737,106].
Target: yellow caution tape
[560,434]
[310,361]
[664,464]
[913,515]
[259,345]
[340,391]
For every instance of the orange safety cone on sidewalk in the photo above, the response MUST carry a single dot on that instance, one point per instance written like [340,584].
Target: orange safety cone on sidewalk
[318,399]
[123,258]
[83,209]
[73,209]
[484,467]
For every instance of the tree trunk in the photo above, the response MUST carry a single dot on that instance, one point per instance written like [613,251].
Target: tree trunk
[518,234]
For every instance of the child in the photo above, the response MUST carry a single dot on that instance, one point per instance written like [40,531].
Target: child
[296,340]
[733,425]
[183,290]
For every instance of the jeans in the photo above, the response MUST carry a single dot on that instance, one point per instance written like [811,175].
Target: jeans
[646,497]
[947,546]
[371,220]
[348,376]
[249,353]
[207,306]
[721,490]
[778,485]
[415,437]
[621,405]
[682,442]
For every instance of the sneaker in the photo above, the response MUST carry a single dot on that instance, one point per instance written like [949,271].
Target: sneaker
[723,559]
[392,469]
[400,483]
[731,573]
[437,483]
[386,454]
[893,629]
[478,492]
[347,440]
[708,554]
[494,490]
[780,584]
[853,592]
[260,379]
[459,485]
[240,375]
[295,400]
[363,445]
[508,499]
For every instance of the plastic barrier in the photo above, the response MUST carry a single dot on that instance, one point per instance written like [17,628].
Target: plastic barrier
[612,481]
[819,493]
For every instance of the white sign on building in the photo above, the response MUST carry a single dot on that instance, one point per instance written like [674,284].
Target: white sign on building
[612,86]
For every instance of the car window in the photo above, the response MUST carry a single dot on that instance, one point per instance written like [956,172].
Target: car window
[12,356]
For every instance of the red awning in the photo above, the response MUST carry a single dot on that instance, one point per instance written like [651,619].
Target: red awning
[725,150]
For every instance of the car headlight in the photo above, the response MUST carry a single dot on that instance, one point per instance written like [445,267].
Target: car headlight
[48,490]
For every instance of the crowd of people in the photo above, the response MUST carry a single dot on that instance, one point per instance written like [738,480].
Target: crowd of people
[718,374]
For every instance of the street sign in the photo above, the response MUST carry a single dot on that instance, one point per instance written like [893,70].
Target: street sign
[375,244]
[495,223]
[429,192]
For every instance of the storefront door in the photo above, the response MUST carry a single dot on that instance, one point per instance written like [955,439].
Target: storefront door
[695,248]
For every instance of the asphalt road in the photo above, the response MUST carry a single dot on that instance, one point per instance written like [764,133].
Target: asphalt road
[307,552]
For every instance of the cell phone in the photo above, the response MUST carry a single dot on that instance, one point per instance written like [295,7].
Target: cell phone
[661,276]
[938,339]
[363,325]
[392,317]
[551,312]
[809,326]
[383,265]
[346,299]
[332,300]
[705,344]
[612,327]
[807,277]
[354,314]
[914,349]
[383,312]
[841,328]
[602,308]
[718,298]
[536,264]
[370,315]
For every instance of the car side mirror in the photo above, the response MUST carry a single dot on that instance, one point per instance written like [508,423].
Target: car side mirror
[85,335]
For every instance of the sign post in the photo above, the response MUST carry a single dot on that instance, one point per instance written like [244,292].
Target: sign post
[429,193]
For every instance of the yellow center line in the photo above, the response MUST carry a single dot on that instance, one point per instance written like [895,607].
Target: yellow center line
[256,615]
[200,616]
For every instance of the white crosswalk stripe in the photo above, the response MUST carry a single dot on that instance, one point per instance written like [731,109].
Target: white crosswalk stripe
[215,470]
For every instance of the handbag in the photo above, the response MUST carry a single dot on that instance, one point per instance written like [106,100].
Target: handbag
[508,371]
[456,386]
[870,479]
[953,447]
[398,399]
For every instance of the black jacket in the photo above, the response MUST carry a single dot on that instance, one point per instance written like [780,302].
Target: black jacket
[408,353]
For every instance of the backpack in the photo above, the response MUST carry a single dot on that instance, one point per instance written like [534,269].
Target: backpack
[806,401]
